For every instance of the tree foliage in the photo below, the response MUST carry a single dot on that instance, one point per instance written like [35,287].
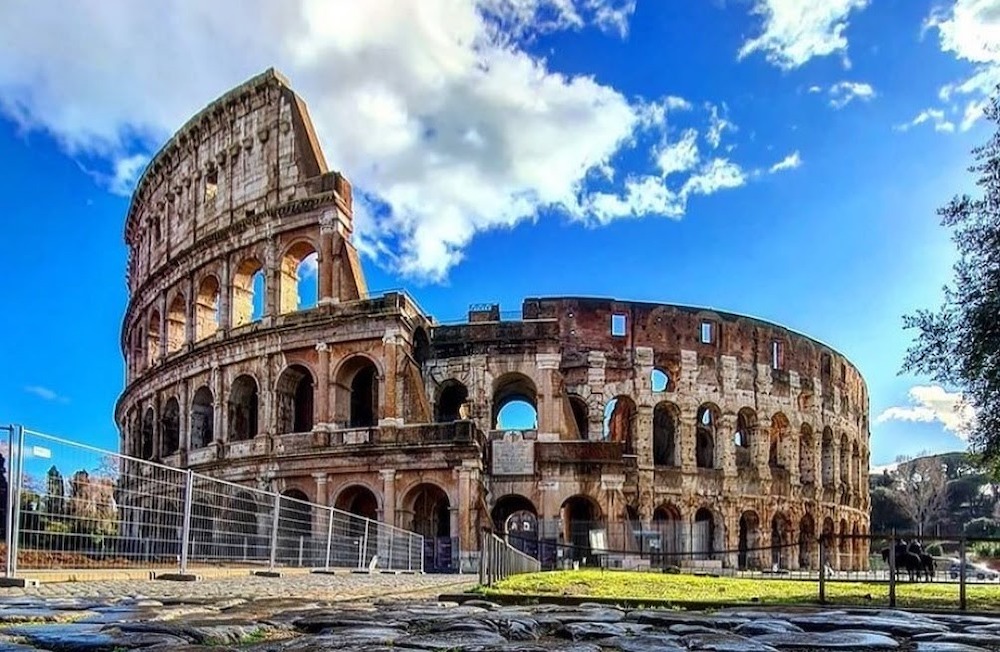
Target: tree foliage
[959,343]
[923,489]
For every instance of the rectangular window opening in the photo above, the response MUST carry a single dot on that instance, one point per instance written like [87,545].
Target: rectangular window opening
[707,332]
[618,325]
[777,355]
[211,185]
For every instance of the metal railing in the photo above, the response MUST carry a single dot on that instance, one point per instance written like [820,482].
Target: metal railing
[499,560]
[73,506]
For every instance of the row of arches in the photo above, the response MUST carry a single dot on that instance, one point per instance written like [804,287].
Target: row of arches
[294,409]
[197,314]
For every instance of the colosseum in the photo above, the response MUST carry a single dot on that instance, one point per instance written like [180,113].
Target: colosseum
[709,438]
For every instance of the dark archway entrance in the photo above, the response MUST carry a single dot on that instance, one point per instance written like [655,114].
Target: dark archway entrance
[431,518]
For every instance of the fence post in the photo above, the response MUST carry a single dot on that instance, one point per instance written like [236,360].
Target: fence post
[422,546]
[822,569]
[186,527]
[9,507]
[363,550]
[892,569]
[409,552]
[274,530]
[17,480]
[329,538]
[961,574]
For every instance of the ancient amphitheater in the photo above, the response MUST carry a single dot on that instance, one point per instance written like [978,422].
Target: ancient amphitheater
[721,438]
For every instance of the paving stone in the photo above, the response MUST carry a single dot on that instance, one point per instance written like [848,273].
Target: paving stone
[935,646]
[599,630]
[766,626]
[894,626]
[724,642]
[665,618]
[648,642]
[831,640]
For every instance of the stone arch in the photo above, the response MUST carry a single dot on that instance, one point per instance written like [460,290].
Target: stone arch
[295,521]
[171,427]
[856,472]
[668,522]
[579,513]
[294,399]
[147,449]
[749,541]
[843,546]
[666,417]
[359,499]
[241,521]
[153,340]
[176,323]
[706,430]
[782,540]
[777,452]
[743,439]
[248,292]
[452,402]
[206,308]
[808,552]
[845,459]
[244,404]
[581,415]
[512,389]
[357,390]
[807,455]
[826,457]
[202,418]
[421,345]
[619,422]
[298,263]
[430,511]
[515,517]
[708,533]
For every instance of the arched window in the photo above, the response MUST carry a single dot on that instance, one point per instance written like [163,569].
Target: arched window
[153,343]
[294,400]
[845,459]
[619,422]
[299,275]
[421,346]
[171,427]
[664,435]
[148,434]
[826,457]
[294,525]
[749,541]
[431,511]
[581,416]
[659,380]
[206,309]
[777,456]
[708,417]
[703,534]
[807,455]
[176,324]
[202,418]
[357,393]
[515,404]
[249,286]
[451,402]
[243,405]
[746,431]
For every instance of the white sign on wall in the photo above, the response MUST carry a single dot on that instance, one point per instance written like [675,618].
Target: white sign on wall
[513,455]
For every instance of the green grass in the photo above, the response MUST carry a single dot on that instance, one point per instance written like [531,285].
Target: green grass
[690,589]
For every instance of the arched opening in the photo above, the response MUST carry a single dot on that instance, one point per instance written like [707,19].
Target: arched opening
[781,540]
[421,346]
[515,403]
[845,460]
[704,453]
[243,405]
[298,288]
[430,512]
[516,518]
[703,534]
[148,433]
[202,418]
[829,537]
[295,528]
[581,416]
[294,400]
[206,309]
[807,543]
[244,541]
[357,393]
[580,514]
[665,418]
[777,456]
[451,403]
[360,501]
[153,341]
[856,470]
[249,288]
[171,441]
[619,422]
[826,457]
[746,432]
[807,455]
[748,556]
[202,528]
[659,380]
[844,546]
[668,524]
[857,548]
[176,324]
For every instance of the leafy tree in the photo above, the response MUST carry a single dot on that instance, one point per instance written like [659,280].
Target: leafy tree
[982,527]
[882,479]
[55,496]
[888,511]
[959,343]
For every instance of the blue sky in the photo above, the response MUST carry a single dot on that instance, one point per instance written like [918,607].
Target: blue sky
[771,157]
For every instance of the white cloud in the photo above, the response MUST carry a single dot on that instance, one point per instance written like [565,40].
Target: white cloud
[510,137]
[934,116]
[843,93]
[718,124]
[815,89]
[970,29]
[932,403]
[46,393]
[717,174]
[680,156]
[790,162]
[795,31]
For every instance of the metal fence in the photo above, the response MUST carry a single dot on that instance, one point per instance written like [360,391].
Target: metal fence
[499,560]
[73,506]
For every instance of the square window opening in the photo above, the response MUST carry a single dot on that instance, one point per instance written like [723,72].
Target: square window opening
[707,332]
[618,325]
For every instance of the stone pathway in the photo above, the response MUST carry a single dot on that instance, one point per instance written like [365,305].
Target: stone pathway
[303,614]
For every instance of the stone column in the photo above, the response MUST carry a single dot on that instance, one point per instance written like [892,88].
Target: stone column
[190,313]
[642,432]
[389,495]
[725,446]
[389,404]
[225,298]
[162,303]
[272,282]
[184,420]
[321,516]
[321,406]
[548,407]
[324,257]
[686,434]
[219,411]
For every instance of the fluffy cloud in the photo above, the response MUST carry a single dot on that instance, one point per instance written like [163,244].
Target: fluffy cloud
[790,162]
[795,31]
[46,394]
[451,129]
[845,92]
[970,30]
[932,403]
[934,116]
[680,156]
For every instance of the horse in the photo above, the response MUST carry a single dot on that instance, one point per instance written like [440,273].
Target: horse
[926,561]
[904,560]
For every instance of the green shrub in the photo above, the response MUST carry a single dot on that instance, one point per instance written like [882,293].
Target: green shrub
[935,550]
[982,527]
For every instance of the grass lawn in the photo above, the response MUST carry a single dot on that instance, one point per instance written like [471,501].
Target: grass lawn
[689,589]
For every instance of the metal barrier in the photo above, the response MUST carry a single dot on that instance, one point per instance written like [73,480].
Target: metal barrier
[115,511]
[499,560]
